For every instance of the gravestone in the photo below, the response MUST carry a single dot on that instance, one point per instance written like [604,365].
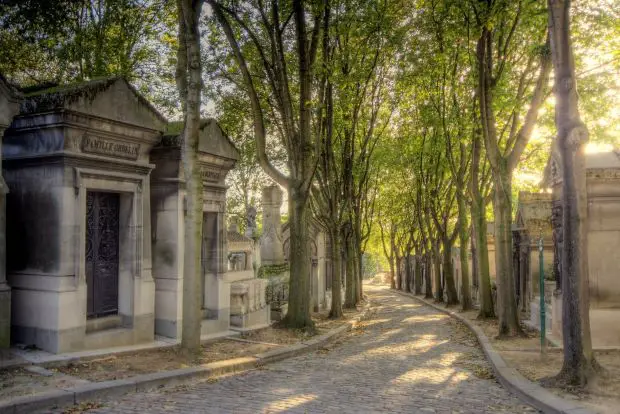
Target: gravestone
[9,106]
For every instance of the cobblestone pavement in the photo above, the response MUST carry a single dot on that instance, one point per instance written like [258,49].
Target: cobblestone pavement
[408,358]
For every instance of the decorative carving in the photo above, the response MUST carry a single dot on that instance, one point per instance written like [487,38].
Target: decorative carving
[102,253]
[210,174]
[110,148]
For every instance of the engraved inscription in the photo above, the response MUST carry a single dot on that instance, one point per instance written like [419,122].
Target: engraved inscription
[209,175]
[112,148]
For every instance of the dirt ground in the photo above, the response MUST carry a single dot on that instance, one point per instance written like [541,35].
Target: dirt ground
[113,367]
[523,354]
[16,382]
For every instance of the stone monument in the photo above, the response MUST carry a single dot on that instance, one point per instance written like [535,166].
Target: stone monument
[248,304]
[9,107]
[271,250]
[250,225]
[274,267]
[217,155]
[79,217]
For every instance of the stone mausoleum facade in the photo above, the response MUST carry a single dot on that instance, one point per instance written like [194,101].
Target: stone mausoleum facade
[95,203]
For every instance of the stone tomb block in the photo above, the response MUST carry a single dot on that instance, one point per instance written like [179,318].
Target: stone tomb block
[217,156]
[79,258]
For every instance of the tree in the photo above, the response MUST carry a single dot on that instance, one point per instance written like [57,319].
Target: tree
[572,135]
[60,41]
[503,29]
[292,84]
[189,83]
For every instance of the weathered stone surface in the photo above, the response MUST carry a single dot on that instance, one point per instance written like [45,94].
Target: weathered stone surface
[9,106]
[68,141]
[271,250]
[217,155]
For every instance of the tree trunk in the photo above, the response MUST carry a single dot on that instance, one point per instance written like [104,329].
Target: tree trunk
[351,290]
[464,254]
[392,274]
[298,315]
[579,364]
[359,255]
[448,274]
[428,278]
[487,308]
[399,282]
[336,264]
[189,83]
[357,258]
[418,275]
[408,273]
[506,298]
[437,268]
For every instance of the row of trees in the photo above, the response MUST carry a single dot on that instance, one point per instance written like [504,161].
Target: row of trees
[463,129]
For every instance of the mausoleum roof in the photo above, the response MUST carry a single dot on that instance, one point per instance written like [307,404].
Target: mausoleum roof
[213,139]
[50,96]
[594,161]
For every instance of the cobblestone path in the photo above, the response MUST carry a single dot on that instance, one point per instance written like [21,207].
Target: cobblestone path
[408,358]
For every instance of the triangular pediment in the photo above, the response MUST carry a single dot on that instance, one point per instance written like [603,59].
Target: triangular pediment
[213,140]
[109,98]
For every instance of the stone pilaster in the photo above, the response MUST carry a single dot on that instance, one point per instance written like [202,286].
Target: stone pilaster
[9,99]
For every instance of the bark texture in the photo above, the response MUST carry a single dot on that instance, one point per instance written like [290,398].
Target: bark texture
[579,364]
[189,83]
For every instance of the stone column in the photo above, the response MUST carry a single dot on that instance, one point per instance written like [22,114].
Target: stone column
[9,107]
[271,249]
[5,289]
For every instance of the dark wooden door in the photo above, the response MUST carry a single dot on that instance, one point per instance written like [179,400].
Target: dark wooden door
[102,234]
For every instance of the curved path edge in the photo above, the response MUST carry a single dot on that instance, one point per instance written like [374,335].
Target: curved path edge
[509,377]
[88,392]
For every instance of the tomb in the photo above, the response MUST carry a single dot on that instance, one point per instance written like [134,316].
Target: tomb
[248,305]
[532,221]
[603,238]
[273,266]
[320,276]
[9,107]
[76,160]
[217,156]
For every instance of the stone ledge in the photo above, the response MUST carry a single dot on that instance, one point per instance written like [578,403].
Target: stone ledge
[526,390]
[93,391]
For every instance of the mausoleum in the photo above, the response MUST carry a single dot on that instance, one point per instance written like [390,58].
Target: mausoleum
[76,160]
[217,156]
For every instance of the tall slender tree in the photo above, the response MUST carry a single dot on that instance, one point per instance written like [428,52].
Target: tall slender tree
[503,28]
[572,135]
[189,82]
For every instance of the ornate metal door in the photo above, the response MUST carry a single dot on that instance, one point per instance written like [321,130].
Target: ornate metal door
[102,231]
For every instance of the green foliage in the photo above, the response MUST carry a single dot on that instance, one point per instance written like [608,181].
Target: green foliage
[269,271]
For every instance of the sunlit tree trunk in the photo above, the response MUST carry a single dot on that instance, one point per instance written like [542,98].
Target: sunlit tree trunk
[336,264]
[189,83]
[579,363]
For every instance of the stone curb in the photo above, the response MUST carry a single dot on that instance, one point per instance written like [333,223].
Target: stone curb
[526,390]
[95,390]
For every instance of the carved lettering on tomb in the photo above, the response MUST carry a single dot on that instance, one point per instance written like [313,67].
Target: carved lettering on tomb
[110,148]
[208,174]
